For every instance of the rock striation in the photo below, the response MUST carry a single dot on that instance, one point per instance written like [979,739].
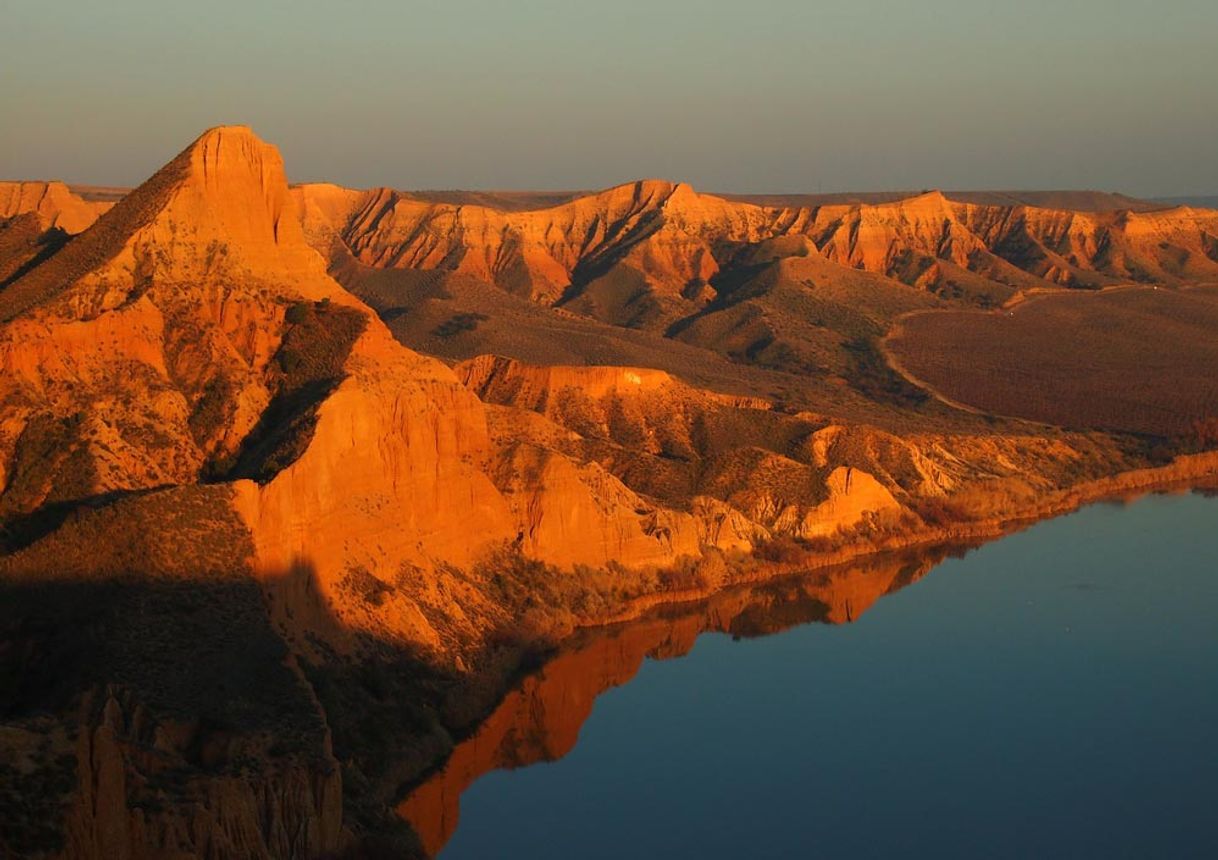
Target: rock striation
[650,252]
[270,528]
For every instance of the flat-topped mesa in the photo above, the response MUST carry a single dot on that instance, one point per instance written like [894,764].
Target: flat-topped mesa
[227,196]
[219,211]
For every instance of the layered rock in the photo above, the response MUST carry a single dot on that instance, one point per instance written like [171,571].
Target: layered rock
[653,251]
[189,399]
[55,205]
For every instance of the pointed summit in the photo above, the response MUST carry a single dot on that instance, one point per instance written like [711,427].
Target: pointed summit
[229,187]
[239,179]
[219,209]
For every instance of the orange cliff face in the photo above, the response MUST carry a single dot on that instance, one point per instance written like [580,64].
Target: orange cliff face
[186,392]
[648,253]
[54,204]
[192,334]
[143,346]
[654,231]
[149,351]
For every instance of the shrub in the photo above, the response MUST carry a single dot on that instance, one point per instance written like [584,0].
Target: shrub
[299,313]
[310,361]
[458,323]
[1205,432]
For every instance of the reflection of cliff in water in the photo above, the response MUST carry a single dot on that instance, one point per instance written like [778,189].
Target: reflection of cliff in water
[540,719]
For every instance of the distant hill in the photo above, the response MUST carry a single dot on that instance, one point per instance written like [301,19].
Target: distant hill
[524,201]
[296,482]
[1201,201]
[1078,201]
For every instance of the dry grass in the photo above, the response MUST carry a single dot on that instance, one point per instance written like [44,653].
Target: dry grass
[1140,361]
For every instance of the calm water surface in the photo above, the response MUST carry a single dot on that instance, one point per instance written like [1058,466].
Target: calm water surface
[1052,694]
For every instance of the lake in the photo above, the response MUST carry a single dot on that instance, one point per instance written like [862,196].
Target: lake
[1051,694]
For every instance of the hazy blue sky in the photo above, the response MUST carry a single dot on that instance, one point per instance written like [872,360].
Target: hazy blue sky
[750,95]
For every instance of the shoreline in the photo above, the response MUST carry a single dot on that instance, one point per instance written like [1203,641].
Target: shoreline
[1185,472]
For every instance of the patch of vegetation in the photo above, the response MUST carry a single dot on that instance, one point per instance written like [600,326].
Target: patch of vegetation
[1079,361]
[870,374]
[24,246]
[213,410]
[33,804]
[52,473]
[1205,433]
[359,582]
[147,600]
[907,267]
[308,367]
[459,323]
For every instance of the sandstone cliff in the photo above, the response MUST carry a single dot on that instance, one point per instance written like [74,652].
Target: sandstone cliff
[652,252]
[207,444]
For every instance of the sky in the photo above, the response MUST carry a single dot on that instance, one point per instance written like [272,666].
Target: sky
[743,96]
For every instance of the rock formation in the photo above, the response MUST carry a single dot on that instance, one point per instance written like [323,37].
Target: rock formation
[294,555]
[649,252]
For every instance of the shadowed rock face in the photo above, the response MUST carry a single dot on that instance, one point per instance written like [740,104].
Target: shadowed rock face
[200,425]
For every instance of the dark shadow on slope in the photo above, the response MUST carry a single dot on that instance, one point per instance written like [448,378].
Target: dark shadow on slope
[24,246]
[308,367]
[732,284]
[141,618]
[20,530]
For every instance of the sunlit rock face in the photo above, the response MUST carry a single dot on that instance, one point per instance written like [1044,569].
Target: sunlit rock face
[192,334]
[649,252]
[190,399]
[157,345]
[54,204]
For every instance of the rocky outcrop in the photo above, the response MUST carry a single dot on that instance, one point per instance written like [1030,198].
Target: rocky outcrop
[190,400]
[652,252]
[293,812]
[55,205]
[853,497]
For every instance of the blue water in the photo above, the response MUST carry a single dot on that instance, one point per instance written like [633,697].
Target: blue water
[1051,694]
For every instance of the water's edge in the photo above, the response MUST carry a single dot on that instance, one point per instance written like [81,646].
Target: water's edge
[1185,473]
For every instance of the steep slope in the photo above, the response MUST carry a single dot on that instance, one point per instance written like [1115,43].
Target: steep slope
[642,253]
[206,441]
[36,220]
[143,352]
[192,334]
[651,237]
[789,300]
